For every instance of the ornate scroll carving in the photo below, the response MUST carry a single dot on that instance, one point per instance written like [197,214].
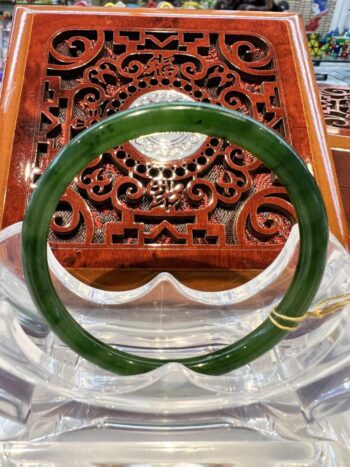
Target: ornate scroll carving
[336,106]
[217,194]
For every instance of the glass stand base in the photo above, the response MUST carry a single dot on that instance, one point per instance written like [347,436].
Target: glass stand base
[268,434]
[290,407]
[180,454]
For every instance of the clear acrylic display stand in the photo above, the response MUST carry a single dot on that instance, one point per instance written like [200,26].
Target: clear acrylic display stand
[287,408]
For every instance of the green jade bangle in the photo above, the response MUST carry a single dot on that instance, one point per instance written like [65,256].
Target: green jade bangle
[192,117]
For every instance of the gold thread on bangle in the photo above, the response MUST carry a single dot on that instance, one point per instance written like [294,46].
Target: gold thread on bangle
[317,313]
[281,326]
[293,319]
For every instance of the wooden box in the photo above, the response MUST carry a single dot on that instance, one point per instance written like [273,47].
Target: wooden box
[69,68]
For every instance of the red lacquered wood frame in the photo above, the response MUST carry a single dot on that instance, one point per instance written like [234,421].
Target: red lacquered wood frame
[218,209]
[335,101]
[342,165]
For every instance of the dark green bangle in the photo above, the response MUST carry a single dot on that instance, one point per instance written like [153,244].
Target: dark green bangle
[192,117]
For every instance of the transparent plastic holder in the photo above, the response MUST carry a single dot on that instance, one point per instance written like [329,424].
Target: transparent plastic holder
[49,396]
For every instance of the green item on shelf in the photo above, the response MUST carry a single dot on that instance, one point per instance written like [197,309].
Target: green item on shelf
[314,44]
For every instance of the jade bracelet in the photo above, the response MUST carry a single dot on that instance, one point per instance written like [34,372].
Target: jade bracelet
[239,129]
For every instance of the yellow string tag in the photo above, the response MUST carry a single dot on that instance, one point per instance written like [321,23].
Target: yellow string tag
[323,308]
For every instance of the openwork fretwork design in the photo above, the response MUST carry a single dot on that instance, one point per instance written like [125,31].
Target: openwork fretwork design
[164,202]
[336,106]
[217,194]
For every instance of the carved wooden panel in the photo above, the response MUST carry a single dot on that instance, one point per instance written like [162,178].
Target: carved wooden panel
[341,159]
[335,102]
[160,201]
[142,193]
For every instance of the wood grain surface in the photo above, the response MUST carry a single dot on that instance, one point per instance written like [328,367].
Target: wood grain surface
[90,63]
